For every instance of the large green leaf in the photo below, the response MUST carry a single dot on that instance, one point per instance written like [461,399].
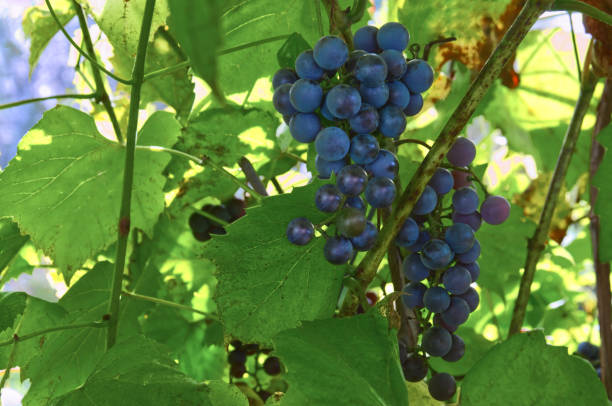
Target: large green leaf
[12,305]
[267,284]
[352,359]
[64,186]
[11,241]
[603,205]
[224,394]
[40,27]
[137,372]
[526,371]
[197,27]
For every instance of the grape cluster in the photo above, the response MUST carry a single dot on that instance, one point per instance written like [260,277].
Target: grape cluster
[349,104]
[202,227]
[590,352]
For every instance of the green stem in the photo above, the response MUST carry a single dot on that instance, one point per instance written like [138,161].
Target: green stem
[318,16]
[339,21]
[128,172]
[479,87]
[166,303]
[211,217]
[357,10]
[81,51]
[582,7]
[102,95]
[575,46]
[473,176]
[16,338]
[57,96]
[537,242]
[412,141]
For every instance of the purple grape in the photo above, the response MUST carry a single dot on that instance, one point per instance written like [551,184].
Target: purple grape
[465,201]
[442,386]
[588,351]
[282,102]
[393,36]
[436,299]
[338,250]
[473,220]
[471,255]
[385,165]
[380,192]
[343,101]
[414,368]
[365,39]
[441,181]
[304,127]
[328,198]
[355,202]
[457,349]
[495,210]
[307,68]
[376,96]
[330,52]
[351,62]
[437,341]
[437,321]
[371,70]
[418,77]
[436,254]
[424,237]
[471,298]
[396,64]
[456,280]
[325,111]
[408,234]
[413,268]
[283,76]
[365,241]
[413,294]
[462,153]
[350,222]
[326,168]
[352,180]
[457,313]
[392,121]
[414,105]
[300,231]
[332,144]
[364,149]
[366,120]
[398,95]
[460,238]
[427,202]
[461,178]
[473,268]
[305,95]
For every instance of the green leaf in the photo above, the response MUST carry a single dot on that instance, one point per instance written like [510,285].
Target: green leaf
[353,359]
[137,372]
[267,284]
[512,374]
[71,354]
[66,182]
[39,26]
[254,20]
[603,206]
[11,241]
[224,394]
[418,394]
[197,27]
[290,50]
[12,305]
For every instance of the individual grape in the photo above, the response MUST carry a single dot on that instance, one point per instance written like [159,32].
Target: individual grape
[392,121]
[272,366]
[437,321]
[408,234]
[307,68]
[352,180]
[473,220]
[471,255]
[460,237]
[332,144]
[304,127]
[338,250]
[350,222]
[495,210]
[355,202]
[385,165]
[237,344]
[418,77]
[436,254]
[424,237]
[250,349]
[219,211]
[461,178]
[377,96]
[392,36]
[330,52]
[427,202]
[398,95]
[457,280]
[328,198]
[413,268]
[465,200]
[236,357]
[380,192]
[471,297]
[305,95]
[235,207]
[237,370]
[415,104]
[457,349]
[413,294]
[283,76]
[281,100]
[325,111]
[200,226]
[326,168]
[474,270]
[437,341]
[264,394]
[364,149]
[365,39]
[351,62]
[366,120]
[442,386]
[343,101]
[436,299]
[414,368]
[300,231]
[457,313]
[462,153]
[588,351]
[371,70]
[441,181]
[365,241]
[396,64]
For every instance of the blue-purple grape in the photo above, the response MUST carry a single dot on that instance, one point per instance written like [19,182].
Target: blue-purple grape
[393,36]
[456,351]
[398,95]
[365,241]
[350,222]
[366,119]
[351,62]
[377,96]
[371,70]
[305,95]
[365,39]
[396,63]
[328,198]
[424,237]
[408,234]
[282,102]
[473,220]
[427,202]
[413,294]
[282,76]
[352,180]
[413,268]
[495,210]
[470,255]
[457,313]
[326,168]
[462,152]
[460,238]
[465,200]
[456,280]
[364,149]
[380,192]
[471,297]
[307,68]
[442,386]
[385,165]
[419,76]
[436,299]
[330,52]
[355,202]
[300,231]
[473,268]
[332,144]
[392,121]
[414,368]
[437,341]
[442,181]
[343,101]
[338,250]
[304,127]
[436,254]
[414,105]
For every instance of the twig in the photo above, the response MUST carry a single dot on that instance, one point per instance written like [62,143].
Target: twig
[277,185]
[252,176]
[412,141]
[575,46]
[479,87]
[428,46]
[20,338]
[538,241]
[318,15]
[38,99]
[167,303]
[128,173]
[584,8]
[339,21]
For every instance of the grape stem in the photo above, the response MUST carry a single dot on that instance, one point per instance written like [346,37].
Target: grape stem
[167,303]
[38,99]
[128,173]
[412,141]
[479,87]
[472,176]
[537,242]
[210,216]
[19,338]
[333,216]
[339,21]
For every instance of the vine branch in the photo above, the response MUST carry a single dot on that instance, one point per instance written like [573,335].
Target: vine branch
[57,96]
[128,173]
[19,338]
[537,242]
[479,87]
[167,303]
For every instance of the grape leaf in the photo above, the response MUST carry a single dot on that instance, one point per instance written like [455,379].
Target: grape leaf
[12,305]
[66,182]
[39,26]
[363,352]
[290,50]
[137,372]
[197,27]
[512,374]
[224,394]
[11,241]
[274,285]
[603,205]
